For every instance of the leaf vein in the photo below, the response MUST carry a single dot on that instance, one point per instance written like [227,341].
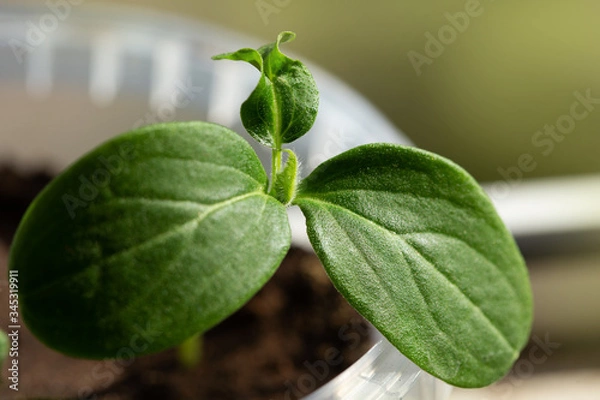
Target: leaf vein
[196,161]
[484,256]
[401,237]
[364,256]
[478,309]
[167,272]
[146,242]
[133,199]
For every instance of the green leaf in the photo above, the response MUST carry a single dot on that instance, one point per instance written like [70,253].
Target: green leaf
[284,104]
[415,245]
[152,237]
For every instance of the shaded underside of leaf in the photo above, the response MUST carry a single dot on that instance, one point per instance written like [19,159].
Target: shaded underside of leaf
[414,244]
[178,235]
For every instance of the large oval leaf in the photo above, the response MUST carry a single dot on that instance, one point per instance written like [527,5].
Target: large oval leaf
[415,245]
[150,238]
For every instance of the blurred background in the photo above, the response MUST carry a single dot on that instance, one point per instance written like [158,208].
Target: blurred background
[479,97]
[510,90]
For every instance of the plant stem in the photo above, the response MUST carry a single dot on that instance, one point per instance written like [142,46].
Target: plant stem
[275,166]
[189,352]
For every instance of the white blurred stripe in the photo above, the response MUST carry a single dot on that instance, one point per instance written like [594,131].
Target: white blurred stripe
[169,67]
[39,70]
[226,95]
[105,69]
[550,205]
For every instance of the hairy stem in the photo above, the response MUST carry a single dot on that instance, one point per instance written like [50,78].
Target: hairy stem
[276,160]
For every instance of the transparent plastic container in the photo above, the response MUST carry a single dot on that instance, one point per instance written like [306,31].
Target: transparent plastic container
[69,82]
[383,373]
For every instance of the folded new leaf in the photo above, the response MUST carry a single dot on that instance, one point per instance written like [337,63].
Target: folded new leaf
[284,104]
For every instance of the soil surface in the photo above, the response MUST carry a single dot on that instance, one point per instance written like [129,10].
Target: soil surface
[296,334]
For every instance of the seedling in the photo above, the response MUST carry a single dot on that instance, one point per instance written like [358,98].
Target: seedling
[161,233]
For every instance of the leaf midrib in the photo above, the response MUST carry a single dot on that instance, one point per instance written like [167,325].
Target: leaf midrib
[167,272]
[277,135]
[202,215]
[500,334]
[384,283]
[398,192]
[308,196]
[226,167]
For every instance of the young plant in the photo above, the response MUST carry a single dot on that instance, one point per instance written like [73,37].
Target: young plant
[162,232]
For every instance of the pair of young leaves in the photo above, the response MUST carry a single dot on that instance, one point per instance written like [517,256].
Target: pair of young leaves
[134,251]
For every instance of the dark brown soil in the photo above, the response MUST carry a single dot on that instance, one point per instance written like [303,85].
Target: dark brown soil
[16,192]
[294,335]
